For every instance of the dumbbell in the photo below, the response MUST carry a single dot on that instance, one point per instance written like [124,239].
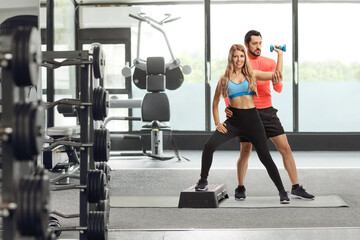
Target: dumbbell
[283,47]
[101,145]
[96,186]
[100,105]
[97,226]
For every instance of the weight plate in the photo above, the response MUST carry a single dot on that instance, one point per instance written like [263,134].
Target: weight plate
[105,104]
[174,78]
[139,78]
[97,227]
[92,186]
[96,99]
[28,136]
[102,145]
[42,202]
[107,143]
[100,104]
[98,60]
[27,56]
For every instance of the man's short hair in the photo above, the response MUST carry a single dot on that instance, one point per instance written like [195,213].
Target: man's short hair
[250,33]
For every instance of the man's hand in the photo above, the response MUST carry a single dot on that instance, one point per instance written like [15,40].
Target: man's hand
[228,112]
[276,49]
[276,78]
[221,127]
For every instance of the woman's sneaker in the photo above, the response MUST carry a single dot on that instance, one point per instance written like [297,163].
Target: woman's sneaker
[240,193]
[300,193]
[284,199]
[201,185]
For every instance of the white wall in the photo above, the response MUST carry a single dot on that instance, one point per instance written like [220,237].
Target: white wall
[18,7]
[108,17]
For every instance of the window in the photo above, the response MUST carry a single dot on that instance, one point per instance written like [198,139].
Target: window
[329,77]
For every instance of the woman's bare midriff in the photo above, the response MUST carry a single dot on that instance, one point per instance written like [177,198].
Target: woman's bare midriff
[243,102]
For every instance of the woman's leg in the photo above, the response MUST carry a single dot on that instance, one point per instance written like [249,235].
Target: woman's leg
[212,144]
[258,138]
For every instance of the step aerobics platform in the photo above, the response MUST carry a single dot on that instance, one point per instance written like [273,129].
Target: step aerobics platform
[189,198]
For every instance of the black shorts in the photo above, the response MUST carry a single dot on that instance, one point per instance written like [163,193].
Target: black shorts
[271,123]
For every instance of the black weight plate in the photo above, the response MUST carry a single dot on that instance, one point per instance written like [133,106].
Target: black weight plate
[35,56]
[139,78]
[96,145]
[95,106]
[98,61]
[97,186]
[20,142]
[18,52]
[105,104]
[102,184]
[93,186]
[100,104]
[42,203]
[37,207]
[90,186]
[174,78]
[27,129]
[37,122]
[10,24]
[17,131]
[21,201]
[107,143]
[27,56]
[91,226]
[97,226]
[102,145]
[28,226]
[23,78]
[28,134]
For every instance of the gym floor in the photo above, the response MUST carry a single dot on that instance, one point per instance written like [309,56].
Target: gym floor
[321,173]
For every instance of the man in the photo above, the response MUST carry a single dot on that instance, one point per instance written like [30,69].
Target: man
[271,122]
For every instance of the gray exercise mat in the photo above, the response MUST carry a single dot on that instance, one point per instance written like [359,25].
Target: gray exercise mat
[330,201]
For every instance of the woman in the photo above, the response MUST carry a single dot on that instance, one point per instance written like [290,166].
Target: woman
[239,84]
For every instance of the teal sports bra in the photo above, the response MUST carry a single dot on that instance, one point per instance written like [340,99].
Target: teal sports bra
[238,89]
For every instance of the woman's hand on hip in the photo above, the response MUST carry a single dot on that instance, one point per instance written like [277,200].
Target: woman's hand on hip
[228,112]
[221,127]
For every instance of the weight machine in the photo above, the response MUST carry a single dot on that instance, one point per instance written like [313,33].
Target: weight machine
[155,76]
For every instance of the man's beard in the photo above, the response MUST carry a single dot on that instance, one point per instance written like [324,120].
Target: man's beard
[256,54]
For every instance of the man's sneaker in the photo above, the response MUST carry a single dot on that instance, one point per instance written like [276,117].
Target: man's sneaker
[201,185]
[300,193]
[284,197]
[240,193]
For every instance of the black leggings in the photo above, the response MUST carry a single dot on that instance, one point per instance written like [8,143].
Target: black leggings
[244,123]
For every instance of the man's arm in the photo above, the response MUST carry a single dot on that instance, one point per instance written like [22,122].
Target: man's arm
[277,81]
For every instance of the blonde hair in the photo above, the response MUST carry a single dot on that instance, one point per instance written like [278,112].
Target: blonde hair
[246,70]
